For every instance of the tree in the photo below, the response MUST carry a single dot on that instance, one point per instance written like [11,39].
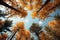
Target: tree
[54,24]
[57,16]
[22,34]
[5,4]
[4,25]
[46,9]
[40,9]
[13,34]
[51,30]
[52,33]
[44,36]
[35,28]
[2,14]
[3,37]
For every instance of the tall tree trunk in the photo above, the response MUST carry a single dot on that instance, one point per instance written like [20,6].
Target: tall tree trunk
[47,1]
[11,37]
[6,5]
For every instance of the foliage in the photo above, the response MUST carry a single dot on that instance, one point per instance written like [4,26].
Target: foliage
[5,4]
[57,16]
[40,9]
[22,34]
[2,14]
[35,28]
[44,36]
[3,37]
[53,32]
[46,9]
[4,25]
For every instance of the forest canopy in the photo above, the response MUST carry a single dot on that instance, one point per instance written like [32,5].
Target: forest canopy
[29,19]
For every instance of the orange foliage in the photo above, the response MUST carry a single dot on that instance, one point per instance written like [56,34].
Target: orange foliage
[22,34]
[1,23]
[45,10]
[22,12]
[36,7]
[36,4]
[57,1]
[29,7]
[34,14]
[21,3]
[3,37]
[52,23]
[57,32]
[55,25]
[18,25]
[44,36]
[15,4]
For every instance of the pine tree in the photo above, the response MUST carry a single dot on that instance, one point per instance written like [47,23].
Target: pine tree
[5,4]
[40,9]
[5,26]
[35,28]
[52,30]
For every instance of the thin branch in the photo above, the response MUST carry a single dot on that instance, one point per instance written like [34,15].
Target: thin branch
[6,5]
[12,36]
[47,1]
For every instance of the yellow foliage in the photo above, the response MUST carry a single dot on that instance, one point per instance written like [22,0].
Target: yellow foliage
[20,24]
[36,7]
[36,4]
[29,7]
[34,14]
[54,23]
